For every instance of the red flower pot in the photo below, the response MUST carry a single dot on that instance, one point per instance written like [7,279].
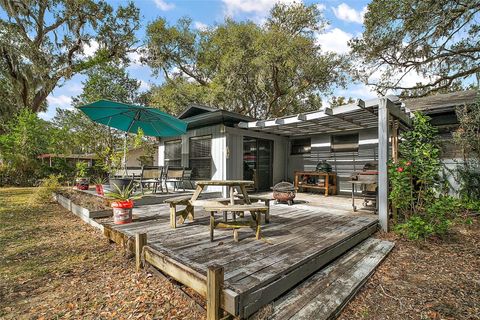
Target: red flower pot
[99,189]
[122,211]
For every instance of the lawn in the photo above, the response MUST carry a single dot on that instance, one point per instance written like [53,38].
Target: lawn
[52,265]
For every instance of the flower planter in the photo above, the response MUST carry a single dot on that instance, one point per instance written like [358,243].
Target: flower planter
[99,189]
[122,211]
[120,183]
[82,183]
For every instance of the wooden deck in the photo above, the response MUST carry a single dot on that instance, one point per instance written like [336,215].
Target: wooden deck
[298,241]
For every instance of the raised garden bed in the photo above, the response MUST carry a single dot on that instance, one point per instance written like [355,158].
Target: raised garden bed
[86,206]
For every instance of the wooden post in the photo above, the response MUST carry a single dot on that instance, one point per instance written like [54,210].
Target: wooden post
[173,215]
[214,288]
[140,242]
[394,144]
[383,163]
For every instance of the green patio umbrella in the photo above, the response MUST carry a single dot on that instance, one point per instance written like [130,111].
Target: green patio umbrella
[130,118]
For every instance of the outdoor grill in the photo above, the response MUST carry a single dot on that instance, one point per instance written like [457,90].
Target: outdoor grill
[366,180]
[284,192]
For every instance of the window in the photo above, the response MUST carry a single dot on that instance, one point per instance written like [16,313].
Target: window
[345,143]
[301,146]
[201,157]
[173,153]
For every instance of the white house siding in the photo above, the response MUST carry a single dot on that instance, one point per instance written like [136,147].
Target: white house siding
[344,163]
[217,132]
[235,152]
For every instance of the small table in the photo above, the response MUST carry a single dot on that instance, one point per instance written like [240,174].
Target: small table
[326,175]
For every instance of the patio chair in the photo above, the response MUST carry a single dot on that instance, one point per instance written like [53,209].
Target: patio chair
[151,175]
[187,177]
[174,175]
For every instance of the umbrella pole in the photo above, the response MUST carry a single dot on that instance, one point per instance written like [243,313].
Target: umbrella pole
[125,173]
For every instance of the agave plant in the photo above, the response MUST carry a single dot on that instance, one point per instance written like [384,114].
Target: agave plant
[100,180]
[123,194]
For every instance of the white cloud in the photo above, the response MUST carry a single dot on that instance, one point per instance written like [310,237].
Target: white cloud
[321,6]
[335,40]
[144,85]
[61,101]
[134,58]
[90,48]
[346,13]
[200,26]
[260,7]
[163,5]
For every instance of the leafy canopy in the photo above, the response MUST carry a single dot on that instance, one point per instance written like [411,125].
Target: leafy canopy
[438,39]
[263,71]
[45,42]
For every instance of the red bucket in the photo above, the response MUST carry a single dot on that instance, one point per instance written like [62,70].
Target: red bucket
[122,211]
[99,189]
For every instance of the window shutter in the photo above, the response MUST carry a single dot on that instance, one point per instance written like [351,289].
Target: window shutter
[173,153]
[201,157]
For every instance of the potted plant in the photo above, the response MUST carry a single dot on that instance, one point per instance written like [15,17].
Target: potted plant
[122,203]
[99,182]
[113,166]
[82,181]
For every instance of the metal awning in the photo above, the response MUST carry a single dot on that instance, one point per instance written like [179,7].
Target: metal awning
[354,116]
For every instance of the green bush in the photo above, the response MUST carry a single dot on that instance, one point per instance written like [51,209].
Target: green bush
[436,220]
[44,191]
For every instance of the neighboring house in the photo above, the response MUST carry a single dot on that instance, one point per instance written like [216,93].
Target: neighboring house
[49,158]
[442,109]
[134,156]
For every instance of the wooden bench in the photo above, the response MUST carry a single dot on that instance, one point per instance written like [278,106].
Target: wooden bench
[187,212]
[265,199]
[255,210]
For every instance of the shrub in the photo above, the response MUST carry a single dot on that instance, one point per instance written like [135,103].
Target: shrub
[44,191]
[436,220]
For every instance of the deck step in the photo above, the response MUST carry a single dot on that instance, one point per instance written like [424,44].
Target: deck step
[325,293]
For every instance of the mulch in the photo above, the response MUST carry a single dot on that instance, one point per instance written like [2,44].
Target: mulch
[434,279]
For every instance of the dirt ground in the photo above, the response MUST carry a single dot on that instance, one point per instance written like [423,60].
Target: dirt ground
[54,266]
[426,280]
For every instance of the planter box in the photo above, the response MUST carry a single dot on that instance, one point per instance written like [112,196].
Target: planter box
[83,213]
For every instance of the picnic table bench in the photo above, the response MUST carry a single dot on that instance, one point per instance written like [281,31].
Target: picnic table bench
[265,199]
[254,209]
[189,211]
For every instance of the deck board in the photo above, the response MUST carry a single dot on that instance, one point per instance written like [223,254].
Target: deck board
[294,244]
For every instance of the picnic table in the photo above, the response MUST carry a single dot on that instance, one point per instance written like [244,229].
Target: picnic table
[230,184]
[224,205]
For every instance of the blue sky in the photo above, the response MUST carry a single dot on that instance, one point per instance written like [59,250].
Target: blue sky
[345,18]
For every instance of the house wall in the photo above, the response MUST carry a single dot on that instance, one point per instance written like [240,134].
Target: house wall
[217,133]
[235,153]
[344,163]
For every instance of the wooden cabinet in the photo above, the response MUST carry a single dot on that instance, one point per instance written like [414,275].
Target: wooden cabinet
[316,180]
